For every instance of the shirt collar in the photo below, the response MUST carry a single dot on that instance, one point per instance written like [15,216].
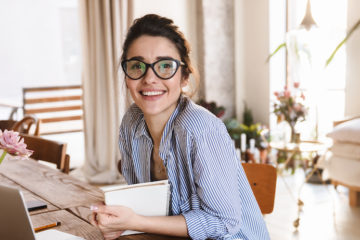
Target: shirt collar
[141,129]
[166,136]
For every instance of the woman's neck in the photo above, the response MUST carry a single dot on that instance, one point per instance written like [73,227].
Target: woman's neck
[156,126]
[156,123]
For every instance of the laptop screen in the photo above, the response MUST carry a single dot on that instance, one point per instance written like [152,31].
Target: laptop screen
[15,221]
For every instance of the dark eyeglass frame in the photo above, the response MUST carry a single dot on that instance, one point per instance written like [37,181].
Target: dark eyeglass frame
[151,65]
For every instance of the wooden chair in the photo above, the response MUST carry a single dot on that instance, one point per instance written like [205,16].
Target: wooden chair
[59,109]
[49,151]
[25,124]
[262,179]
[6,124]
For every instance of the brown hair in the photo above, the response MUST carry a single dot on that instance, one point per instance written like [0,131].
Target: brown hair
[155,25]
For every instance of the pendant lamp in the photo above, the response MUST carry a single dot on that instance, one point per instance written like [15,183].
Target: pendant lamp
[308,21]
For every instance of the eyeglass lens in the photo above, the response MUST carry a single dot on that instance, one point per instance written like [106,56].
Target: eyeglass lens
[164,69]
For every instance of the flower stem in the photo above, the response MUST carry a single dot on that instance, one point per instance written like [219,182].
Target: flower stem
[3,156]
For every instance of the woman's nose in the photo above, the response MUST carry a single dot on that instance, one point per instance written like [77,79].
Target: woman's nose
[150,76]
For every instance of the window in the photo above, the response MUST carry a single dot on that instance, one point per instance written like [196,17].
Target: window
[324,87]
[40,47]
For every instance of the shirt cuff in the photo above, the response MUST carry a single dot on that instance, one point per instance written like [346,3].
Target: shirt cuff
[202,225]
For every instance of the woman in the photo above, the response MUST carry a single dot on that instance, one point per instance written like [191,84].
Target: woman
[164,135]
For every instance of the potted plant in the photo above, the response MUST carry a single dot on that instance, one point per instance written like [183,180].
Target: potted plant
[252,130]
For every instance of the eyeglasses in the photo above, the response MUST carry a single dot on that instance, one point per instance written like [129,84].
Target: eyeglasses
[163,68]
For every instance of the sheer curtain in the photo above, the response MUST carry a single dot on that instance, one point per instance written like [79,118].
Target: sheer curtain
[104,24]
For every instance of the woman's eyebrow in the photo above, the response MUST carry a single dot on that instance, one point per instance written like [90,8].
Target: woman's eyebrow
[137,58]
[164,57]
[157,58]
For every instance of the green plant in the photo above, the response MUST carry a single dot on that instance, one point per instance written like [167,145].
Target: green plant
[282,45]
[218,111]
[247,116]
[252,130]
[348,35]
[329,59]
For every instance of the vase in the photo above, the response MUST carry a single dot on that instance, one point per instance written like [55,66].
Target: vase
[295,137]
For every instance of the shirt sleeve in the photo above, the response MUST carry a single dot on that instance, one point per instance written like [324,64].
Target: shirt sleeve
[216,172]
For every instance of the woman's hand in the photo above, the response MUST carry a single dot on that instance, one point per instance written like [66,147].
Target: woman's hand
[112,220]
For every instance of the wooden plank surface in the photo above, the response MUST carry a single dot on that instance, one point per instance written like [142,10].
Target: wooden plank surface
[28,195]
[85,214]
[61,119]
[51,99]
[54,109]
[55,88]
[69,224]
[67,193]
[60,189]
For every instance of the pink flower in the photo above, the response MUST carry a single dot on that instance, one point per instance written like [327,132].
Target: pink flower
[289,105]
[302,96]
[297,107]
[10,141]
[296,84]
[287,93]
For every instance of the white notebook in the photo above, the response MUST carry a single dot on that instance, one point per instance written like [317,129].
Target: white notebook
[147,199]
[54,234]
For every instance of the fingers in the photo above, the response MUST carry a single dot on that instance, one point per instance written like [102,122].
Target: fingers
[110,210]
[101,209]
[104,219]
[93,219]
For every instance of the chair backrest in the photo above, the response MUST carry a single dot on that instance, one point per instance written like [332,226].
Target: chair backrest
[262,179]
[49,151]
[59,109]
[6,124]
[26,124]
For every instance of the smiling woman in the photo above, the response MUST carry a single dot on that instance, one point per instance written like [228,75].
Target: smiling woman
[157,92]
[165,135]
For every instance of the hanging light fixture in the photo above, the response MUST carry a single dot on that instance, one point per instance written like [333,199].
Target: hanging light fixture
[308,21]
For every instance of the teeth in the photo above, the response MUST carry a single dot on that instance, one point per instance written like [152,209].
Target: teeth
[152,93]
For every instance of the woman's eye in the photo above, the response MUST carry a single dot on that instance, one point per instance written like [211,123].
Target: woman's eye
[136,66]
[166,65]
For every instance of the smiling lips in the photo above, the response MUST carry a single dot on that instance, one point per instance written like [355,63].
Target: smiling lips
[152,93]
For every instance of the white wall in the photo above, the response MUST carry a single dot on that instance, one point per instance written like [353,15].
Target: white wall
[352,99]
[239,65]
[32,44]
[182,12]
[252,72]
[218,52]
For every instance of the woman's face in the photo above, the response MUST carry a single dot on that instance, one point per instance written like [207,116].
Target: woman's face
[155,96]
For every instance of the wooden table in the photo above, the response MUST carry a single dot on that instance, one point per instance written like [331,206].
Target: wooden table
[68,199]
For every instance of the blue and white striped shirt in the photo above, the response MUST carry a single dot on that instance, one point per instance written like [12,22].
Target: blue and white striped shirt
[208,184]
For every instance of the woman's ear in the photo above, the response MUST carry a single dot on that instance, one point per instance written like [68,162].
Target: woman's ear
[184,86]
[184,82]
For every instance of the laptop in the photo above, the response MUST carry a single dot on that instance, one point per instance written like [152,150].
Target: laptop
[15,222]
